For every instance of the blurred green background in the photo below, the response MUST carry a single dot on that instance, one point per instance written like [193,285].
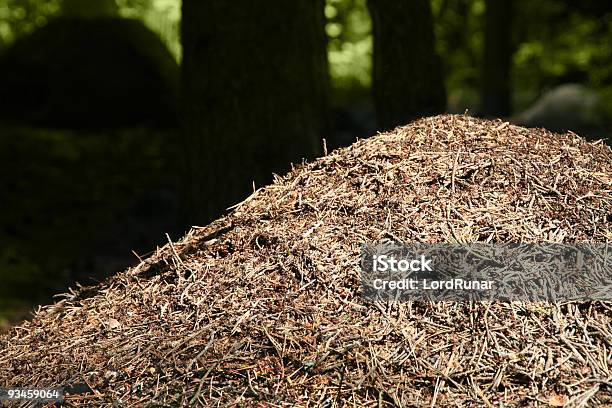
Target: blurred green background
[76,199]
[555,42]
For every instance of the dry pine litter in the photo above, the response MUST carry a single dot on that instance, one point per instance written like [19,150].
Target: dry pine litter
[263,307]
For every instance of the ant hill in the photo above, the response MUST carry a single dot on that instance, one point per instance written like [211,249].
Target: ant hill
[265,304]
[90,73]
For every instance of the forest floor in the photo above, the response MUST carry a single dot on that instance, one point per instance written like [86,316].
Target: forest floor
[75,204]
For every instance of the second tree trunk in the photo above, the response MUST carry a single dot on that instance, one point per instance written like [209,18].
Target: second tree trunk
[497,59]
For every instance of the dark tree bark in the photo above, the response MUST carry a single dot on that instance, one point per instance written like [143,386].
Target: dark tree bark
[407,74]
[255,90]
[497,60]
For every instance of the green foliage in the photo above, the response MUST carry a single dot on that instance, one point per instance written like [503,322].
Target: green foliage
[459,33]
[161,16]
[558,44]
[349,30]
[555,41]
[19,17]
[458,26]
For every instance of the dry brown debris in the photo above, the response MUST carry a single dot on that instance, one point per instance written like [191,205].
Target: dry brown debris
[263,306]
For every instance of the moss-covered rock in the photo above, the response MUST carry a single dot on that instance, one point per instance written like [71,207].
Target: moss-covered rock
[92,73]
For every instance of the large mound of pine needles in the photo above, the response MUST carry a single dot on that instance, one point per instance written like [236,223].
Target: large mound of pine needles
[264,305]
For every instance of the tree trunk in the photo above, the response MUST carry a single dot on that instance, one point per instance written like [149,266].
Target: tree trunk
[407,74]
[497,59]
[255,90]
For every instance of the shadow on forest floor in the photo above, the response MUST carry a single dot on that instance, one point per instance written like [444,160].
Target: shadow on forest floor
[73,206]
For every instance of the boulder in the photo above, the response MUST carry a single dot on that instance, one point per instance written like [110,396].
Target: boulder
[89,73]
[566,107]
